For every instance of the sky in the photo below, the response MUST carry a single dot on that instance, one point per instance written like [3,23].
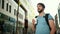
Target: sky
[51,6]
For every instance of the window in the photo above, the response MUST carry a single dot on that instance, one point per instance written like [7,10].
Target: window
[20,15]
[7,7]
[15,12]
[16,1]
[2,4]
[10,8]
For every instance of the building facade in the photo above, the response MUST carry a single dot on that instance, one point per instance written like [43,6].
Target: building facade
[59,14]
[8,17]
[56,21]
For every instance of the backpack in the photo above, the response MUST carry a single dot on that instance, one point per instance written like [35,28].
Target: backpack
[46,18]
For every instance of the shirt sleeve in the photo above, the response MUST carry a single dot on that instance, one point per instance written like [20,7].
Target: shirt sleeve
[50,17]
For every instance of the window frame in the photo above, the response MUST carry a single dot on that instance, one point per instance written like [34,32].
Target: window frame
[6,6]
[10,8]
[3,4]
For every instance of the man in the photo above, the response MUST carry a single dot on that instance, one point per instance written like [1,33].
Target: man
[42,27]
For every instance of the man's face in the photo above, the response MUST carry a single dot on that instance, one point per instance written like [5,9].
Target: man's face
[39,8]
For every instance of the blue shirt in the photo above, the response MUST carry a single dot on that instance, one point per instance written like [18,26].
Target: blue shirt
[42,27]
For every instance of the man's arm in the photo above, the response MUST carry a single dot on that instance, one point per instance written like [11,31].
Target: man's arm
[52,25]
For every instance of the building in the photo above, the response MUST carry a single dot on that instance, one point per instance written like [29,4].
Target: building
[56,21]
[8,16]
[29,13]
[59,14]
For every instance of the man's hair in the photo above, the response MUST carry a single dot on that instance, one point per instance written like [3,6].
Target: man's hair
[41,5]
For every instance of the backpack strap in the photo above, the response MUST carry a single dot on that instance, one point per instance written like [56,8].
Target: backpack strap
[36,16]
[37,21]
[46,18]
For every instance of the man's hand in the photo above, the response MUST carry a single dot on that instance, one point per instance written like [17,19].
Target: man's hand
[33,21]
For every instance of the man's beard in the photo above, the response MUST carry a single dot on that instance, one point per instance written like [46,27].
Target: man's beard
[39,11]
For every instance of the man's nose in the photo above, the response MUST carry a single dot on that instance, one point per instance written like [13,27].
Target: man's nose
[38,8]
